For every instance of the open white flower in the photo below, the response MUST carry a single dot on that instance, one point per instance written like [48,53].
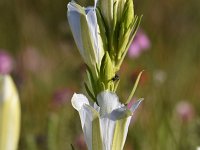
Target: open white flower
[83,23]
[9,114]
[105,126]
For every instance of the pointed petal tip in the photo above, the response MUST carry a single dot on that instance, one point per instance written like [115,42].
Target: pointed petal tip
[136,105]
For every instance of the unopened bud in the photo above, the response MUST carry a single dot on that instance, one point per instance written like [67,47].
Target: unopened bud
[9,114]
[107,70]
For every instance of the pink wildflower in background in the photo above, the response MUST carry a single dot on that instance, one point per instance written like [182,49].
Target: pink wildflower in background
[185,111]
[32,59]
[6,63]
[62,96]
[140,43]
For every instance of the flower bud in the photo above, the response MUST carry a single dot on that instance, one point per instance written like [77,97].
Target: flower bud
[9,114]
[83,23]
[107,70]
[126,27]
[129,13]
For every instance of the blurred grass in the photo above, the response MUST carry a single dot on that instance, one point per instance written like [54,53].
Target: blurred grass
[173,28]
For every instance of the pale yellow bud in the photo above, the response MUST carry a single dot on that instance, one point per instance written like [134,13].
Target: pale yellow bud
[9,114]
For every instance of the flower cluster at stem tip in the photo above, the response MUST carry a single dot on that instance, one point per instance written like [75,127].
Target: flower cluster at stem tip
[103,34]
[103,38]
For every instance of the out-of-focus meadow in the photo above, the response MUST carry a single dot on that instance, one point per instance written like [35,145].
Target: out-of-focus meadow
[47,69]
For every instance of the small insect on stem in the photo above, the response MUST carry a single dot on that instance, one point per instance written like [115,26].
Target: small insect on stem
[115,78]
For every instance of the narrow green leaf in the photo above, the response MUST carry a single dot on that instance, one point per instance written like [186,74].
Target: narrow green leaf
[89,92]
[98,70]
[102,28]
[89,77]
[92,81]
[134,88]
[116,85]
[53,122]
[134,29]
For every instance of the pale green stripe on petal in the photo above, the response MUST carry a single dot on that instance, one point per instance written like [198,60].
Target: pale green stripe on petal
[96,140]
[88,43]
[121,130]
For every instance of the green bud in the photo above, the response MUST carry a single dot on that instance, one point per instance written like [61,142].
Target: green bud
[126,22]
[128,27]
[126,40]
[129,13]
[107,71]
[106,7]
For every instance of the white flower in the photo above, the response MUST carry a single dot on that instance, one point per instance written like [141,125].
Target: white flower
[105,126]
[83,23]
[9,114]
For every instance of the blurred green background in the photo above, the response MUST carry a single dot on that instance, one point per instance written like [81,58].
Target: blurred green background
[48,69]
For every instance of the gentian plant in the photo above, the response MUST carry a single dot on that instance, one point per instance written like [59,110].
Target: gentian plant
[103,34]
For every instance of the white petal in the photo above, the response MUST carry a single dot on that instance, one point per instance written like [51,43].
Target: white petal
[107,132]
[120,113]
[108,101]
[78,100]
[87,115]
[95,4]
[93,27]
[75,25]
[86,122]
